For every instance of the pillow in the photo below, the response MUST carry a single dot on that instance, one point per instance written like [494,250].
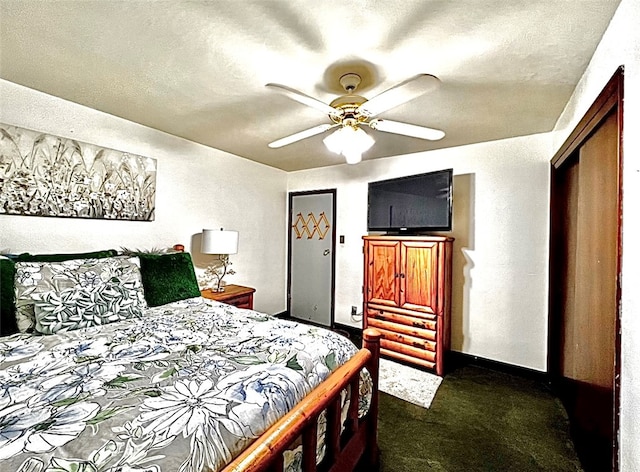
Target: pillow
[26,257]
[7,300]
[7,276]
[79,307]
[112,283]
[168,278]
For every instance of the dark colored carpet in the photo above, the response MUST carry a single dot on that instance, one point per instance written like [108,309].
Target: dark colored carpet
[480,420]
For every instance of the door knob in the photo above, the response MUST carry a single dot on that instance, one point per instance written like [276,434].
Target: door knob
[326,252]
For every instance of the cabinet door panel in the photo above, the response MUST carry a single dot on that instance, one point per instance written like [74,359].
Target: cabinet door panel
[382,272]
[419,278]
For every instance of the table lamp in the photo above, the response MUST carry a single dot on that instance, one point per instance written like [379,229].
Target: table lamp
[222,243]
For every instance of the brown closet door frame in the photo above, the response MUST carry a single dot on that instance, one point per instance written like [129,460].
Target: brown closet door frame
[609,101]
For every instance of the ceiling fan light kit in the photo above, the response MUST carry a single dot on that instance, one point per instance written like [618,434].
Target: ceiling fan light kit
[350,112]
[350,141]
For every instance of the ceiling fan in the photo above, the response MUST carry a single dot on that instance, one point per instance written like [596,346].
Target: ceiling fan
[350,112]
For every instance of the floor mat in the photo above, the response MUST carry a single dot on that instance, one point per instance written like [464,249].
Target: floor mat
[407,383]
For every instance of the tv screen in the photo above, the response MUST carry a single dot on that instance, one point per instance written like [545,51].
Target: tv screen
[410,204]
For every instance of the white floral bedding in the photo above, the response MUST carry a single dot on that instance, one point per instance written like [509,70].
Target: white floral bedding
[184,388]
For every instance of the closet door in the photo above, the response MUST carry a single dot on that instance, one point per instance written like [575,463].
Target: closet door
[596,256]
[584,338]
[593,351]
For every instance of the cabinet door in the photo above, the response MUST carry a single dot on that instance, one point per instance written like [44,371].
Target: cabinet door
[419,276]
[382,272]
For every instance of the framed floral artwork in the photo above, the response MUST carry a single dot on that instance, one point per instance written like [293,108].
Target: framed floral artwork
[45,175]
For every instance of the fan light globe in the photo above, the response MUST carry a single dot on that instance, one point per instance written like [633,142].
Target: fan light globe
[350,141]
[353,157]
[333,142]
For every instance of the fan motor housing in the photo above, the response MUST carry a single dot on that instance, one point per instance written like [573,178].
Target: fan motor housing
[349,106]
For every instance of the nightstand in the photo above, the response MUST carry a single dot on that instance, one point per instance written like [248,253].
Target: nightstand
[235,295]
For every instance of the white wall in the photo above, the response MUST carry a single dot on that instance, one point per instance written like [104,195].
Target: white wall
[620,45]
[196,187]
[501,211]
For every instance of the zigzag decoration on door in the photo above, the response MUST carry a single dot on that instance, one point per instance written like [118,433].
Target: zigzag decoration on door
[311,226]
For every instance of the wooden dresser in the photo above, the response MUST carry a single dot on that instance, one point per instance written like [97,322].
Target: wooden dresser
[407,296]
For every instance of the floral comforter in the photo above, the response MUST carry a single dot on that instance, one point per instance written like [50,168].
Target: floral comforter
[184,388]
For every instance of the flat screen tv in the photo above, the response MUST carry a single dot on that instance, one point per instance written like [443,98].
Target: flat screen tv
[411,204]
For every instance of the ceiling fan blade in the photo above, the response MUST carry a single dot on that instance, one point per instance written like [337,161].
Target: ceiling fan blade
[303,98]
[399,94]
[300,135]
[406,129]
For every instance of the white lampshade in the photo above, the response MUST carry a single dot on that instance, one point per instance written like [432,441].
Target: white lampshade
[219,241]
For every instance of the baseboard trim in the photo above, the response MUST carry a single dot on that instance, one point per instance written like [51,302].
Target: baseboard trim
[460,359]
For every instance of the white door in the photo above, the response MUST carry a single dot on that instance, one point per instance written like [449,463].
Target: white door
[311,256]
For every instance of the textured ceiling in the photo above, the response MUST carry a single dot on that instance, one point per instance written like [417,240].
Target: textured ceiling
[197,69]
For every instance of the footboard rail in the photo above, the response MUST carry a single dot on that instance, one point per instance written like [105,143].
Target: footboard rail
[344,450]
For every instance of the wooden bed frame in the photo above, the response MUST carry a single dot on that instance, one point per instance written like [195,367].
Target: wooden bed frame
[357,445]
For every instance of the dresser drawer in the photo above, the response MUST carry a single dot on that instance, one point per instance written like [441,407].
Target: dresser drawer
[245,301]
[407,350]
[415,337]
[414,324]
[404,333]
[409,359]
[375,309]
[419,343]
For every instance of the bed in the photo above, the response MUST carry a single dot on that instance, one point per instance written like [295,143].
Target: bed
[118,365]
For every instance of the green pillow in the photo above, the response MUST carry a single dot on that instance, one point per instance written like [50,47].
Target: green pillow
[168,278]
[26,257]
[7,298]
